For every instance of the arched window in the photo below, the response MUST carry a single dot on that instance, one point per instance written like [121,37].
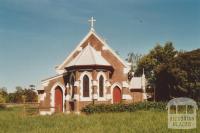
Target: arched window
[86,86]
[101,86]
[72,86]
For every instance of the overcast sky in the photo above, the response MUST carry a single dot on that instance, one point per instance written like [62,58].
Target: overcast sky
[37,35]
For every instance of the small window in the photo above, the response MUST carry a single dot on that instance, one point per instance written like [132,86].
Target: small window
[190,109]
[181,109]
[85,86]
[101,86]
[172,109]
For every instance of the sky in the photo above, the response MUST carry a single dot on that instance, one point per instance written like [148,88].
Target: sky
[37,35]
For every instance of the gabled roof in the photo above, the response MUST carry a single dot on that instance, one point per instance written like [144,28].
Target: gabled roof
[88,56]
[91,32]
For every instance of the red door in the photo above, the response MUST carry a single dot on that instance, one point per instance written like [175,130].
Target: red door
[116,95]
[58,100]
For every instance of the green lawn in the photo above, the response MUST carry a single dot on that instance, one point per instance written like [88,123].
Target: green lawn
[13,120]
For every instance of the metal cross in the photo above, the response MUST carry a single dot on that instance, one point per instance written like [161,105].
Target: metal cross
[92,20]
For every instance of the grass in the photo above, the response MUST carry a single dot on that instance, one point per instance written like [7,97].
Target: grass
[13,120]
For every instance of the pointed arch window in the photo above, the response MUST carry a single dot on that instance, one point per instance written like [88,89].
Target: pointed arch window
[101,86]
[85,86]
[72,87]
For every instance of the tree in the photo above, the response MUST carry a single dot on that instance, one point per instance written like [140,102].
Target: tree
[11,98]
[172,73]
[154,65]
[3,95]
[30,95]
[19,95]
[2,99]
[133,59]
[185,72]
[23,95]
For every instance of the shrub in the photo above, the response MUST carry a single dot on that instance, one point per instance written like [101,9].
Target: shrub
[2,101]
[104,108]
[2,106]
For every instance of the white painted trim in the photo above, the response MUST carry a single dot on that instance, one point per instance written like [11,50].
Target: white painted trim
[45,112]
[79,49]
[108,96]
[126,97]
[112,87]
[77,113]
[94,82]
[106,46]
[107,83]
[68,112]
[68,97]
[67,85]
[126,70]
[104,87]
[77,83]
[76,49]
[76,97]
[52,96]
[90,86]
[125,84]
[55,77]
[60,71]
[45,84]
[144,96]
[41,97]
[95,96]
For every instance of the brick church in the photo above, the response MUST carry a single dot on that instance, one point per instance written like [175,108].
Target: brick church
[92,73]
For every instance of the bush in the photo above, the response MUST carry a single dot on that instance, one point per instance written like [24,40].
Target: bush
[2,106]
[2,101]
[104,108]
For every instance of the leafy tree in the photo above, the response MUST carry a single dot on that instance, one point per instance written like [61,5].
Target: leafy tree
[3,95]
[19,95]
[154,65]
[30,95]
[2,99]
[185,72]
[23,95]
[133,59]
[11,98]
[172,73]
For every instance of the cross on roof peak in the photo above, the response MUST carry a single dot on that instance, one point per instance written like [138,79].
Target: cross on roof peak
[92,20]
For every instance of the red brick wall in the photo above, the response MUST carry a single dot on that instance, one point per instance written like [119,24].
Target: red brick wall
[47,89]
[137,95]
[117,76]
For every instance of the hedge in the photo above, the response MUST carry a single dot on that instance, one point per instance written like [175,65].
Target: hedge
[2,106]
[104,108]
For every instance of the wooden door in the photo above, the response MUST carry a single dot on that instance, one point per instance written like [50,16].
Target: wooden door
[58,99]
[116,95]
